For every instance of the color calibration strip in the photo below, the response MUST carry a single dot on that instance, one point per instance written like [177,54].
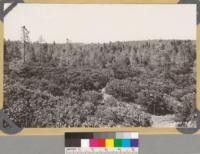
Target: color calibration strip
[120,142]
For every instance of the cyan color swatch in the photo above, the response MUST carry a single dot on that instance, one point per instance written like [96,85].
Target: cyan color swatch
[126,143]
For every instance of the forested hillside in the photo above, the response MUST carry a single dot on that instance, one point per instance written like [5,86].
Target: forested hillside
[99,85]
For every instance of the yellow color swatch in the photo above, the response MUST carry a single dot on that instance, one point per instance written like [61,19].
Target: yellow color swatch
[109,143]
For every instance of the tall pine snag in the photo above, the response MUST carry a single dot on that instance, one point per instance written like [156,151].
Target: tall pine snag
[25,40]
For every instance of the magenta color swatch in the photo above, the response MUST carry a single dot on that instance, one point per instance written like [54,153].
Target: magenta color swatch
[93,142]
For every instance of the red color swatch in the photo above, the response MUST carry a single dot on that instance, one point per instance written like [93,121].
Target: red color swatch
[101,142]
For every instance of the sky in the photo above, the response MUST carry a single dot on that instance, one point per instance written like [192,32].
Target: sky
[100,23]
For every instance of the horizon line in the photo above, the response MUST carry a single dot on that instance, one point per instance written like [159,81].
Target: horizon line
[103,42]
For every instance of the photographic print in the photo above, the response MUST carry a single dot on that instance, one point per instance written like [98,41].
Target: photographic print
[100,65]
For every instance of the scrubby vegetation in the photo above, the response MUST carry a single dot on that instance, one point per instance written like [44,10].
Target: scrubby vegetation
[99,85]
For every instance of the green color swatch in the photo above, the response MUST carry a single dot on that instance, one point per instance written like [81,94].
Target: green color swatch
[118,143]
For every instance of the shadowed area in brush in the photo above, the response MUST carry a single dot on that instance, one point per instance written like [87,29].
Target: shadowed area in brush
[117,84]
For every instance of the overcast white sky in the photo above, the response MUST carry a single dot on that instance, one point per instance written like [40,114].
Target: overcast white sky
[102,23]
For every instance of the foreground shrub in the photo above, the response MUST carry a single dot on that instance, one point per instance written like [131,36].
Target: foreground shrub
[92,96]
[28,71]
[179,93]
[153,102]
[87,109]
[85,79]
[92,121]
[172,103]
[123,72]
[124,90]
[55,90]
[109,100]
[28,108]
[129,116]
[186,112]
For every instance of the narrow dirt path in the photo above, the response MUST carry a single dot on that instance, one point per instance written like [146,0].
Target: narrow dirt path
[166,121]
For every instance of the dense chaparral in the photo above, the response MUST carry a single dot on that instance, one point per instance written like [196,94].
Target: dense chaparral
[113,84]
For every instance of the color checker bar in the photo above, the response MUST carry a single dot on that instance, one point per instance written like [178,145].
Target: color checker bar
[123,142]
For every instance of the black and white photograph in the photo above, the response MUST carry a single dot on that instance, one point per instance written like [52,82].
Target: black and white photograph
[100,65]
